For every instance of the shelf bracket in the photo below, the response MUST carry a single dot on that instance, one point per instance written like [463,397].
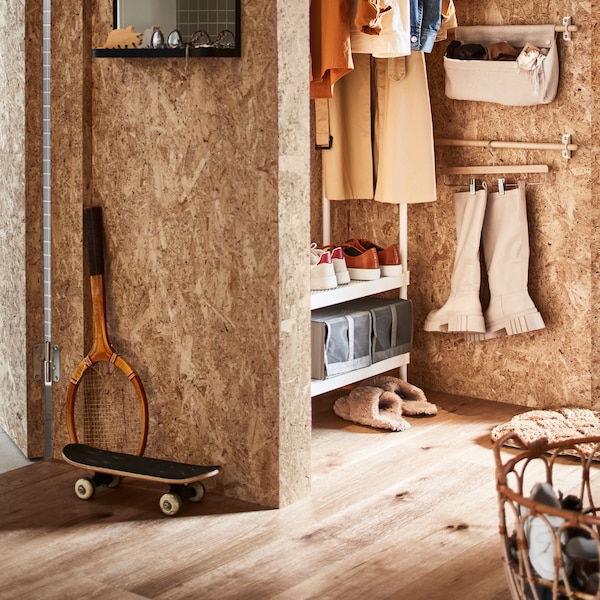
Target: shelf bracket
[566,140]
[567,29]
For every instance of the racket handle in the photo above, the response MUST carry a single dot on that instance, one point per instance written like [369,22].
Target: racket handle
[94,236]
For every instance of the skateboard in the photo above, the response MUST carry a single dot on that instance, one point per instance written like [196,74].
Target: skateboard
[109,467]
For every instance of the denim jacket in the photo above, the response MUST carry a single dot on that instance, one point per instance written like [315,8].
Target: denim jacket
[425,19]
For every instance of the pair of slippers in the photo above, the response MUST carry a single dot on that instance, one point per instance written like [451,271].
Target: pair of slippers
[381,401]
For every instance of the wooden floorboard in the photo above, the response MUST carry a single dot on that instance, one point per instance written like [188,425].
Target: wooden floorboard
[392,515]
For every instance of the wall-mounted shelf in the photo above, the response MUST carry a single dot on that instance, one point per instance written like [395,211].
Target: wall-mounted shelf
[224,17]
[357,289]
[165,52]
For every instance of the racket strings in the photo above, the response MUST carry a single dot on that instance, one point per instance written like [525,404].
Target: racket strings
[107,411]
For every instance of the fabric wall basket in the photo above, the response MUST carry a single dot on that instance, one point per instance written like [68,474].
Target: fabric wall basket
[501,81]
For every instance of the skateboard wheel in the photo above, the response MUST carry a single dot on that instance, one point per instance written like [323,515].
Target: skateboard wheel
[85,488]
[115,482]
[199,491]
[170,504]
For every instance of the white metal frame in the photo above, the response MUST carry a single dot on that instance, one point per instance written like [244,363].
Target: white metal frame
[360,289]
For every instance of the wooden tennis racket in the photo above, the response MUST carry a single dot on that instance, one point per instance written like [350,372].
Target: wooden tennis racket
[106,402]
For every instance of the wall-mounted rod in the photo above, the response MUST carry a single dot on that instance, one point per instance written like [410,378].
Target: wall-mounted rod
[497,144]
[561,28]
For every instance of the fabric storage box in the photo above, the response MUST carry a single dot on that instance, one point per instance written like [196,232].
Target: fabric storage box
[501,81]
[340,341]
[392,322]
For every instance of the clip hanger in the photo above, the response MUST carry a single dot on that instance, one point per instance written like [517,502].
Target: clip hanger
[500,170]
[496,170]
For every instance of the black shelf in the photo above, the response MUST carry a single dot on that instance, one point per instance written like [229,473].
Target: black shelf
[165,52]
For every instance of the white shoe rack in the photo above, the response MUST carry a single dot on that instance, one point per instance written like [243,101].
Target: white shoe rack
[361,289]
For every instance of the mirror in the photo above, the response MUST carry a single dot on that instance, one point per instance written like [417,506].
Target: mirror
[211,17]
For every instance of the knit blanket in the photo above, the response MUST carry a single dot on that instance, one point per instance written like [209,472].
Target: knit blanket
[554,425]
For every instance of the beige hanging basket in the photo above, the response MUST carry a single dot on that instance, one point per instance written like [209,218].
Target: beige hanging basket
[549,517]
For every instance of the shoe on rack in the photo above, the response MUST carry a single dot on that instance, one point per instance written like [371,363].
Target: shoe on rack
[339,265]
[322,271]
[389,258]
[363,265]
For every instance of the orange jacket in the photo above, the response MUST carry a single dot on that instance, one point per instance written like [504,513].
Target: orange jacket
[330,54]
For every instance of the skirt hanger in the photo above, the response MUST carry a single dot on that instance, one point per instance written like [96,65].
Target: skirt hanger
[494,170]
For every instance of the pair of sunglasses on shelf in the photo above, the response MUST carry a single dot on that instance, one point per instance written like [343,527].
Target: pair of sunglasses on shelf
[199,39]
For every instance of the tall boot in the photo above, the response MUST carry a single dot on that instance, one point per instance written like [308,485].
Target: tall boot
[505,239]
[462,311]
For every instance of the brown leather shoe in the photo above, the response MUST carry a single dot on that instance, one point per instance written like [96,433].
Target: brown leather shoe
[389,258]
[363,265]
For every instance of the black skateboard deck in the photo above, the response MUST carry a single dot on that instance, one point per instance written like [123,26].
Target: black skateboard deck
[108,468]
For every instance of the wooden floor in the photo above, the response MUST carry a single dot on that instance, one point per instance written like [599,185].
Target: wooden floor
[409,515]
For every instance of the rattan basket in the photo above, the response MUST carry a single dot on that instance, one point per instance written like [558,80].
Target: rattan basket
[532,531]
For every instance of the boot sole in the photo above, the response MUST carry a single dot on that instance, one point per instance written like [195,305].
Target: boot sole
[457,323]
[512,325]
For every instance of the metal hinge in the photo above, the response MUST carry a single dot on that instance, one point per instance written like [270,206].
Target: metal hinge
[46,363]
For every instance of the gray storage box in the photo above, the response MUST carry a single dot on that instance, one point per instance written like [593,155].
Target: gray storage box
[392,322]
[340,341]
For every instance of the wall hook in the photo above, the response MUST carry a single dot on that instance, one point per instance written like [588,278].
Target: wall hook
[568,28]
[566,140]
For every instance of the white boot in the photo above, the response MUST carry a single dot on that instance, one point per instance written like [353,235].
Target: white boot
[506,250]
[462,311]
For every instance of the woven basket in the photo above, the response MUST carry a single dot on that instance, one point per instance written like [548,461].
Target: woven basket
[531,531]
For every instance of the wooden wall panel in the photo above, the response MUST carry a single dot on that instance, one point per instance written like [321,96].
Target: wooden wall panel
[202,170]
[21,318]
[36,432]
[71,181]
[594,25]
[555,366]
[551,367]
[13,408]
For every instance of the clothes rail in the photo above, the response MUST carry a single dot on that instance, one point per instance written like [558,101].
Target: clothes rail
[566,147]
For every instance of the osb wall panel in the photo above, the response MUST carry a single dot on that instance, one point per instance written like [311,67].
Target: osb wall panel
[71,181]
[551,367]
[541,369]
[595,150]
[34,223]
[13,364]
[293,224]
[203,178]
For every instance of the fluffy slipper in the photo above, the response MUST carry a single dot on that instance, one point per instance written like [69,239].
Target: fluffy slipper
[415,402]
[372,406]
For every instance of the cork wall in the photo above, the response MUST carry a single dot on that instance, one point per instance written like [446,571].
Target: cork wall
[202,171]
[553,367]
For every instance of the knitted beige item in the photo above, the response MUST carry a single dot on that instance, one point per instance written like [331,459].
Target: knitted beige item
[415,402]
[372,406]
[553,425]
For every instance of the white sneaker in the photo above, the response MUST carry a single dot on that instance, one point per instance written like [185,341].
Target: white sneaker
[322,272]
[541,532]
[339,265]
